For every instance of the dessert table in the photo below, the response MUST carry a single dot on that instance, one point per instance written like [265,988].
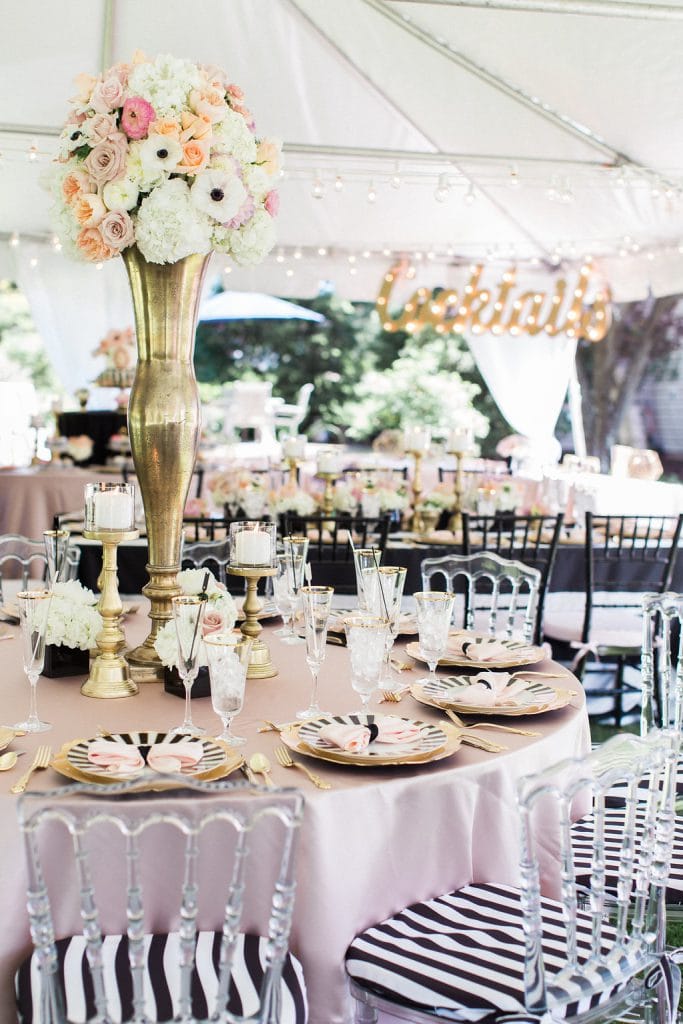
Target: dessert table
[378,840]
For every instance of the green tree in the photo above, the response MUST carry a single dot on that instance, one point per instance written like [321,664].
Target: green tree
[22,355]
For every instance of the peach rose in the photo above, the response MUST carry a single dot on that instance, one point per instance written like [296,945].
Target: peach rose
[194,126]
[117,230]
[84,86]
[98,128]
[195,156]
[165,126]
[75,183]
[268,156]
[107,160]
[89,210]
[213,622]
[107,95]
[92,245]
[208,101]
[235,92]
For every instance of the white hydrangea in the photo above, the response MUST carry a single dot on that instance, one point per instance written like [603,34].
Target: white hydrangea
[258,181]
[73,620]
[233,135]
[220,603]
[251,243]
[169,227]
[300,502]
[390,501]
[165,83]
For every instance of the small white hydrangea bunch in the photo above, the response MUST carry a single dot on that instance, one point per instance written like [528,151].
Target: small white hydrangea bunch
[219,616]
[73,620]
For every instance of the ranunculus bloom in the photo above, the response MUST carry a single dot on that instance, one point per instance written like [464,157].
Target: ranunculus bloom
[136,117]
[117,230]
[195,156]
[272,203]
[213,622]
[92,245]
[268,156]
[165,126]
[210,102]
[194,126]
[75,183]
[89,210]
[84,85]
[107,160]
[107,95]
[98,128]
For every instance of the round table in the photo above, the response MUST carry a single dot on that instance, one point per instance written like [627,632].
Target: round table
[31,498]
[377,841]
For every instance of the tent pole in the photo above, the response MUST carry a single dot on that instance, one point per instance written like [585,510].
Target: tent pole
[602,8]
[576,413]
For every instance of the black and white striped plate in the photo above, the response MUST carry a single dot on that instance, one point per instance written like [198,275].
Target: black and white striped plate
[477,656]
[431,739]
[535,698]
[213,757]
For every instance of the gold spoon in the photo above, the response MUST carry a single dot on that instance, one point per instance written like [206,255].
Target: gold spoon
[260,765]
[9,759]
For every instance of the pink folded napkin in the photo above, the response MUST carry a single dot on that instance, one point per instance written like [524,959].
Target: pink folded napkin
[396,730]
[491,689]
[353,738]
[118,758]
[175,757]
[485,650]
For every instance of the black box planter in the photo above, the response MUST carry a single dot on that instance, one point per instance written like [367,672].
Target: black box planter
[174,684]
[65,661]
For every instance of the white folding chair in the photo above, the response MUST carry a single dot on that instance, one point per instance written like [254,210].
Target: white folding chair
[496,589]
[497,953]
[162,883]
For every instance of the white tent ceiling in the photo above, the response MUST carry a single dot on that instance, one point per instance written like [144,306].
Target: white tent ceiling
[554,127]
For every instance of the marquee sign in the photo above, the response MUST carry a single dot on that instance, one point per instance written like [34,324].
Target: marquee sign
[500,309]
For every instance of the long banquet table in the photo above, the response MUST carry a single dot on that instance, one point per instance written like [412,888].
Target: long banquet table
[378,840]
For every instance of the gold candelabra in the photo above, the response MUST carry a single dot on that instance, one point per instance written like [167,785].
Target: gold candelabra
[293,468]
[109,673]
[328,493]
[455,521]
[416,487]
[260,662]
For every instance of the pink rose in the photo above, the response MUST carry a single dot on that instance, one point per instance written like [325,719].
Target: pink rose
[116,229]
[213,622]
[107,160]
[136,117]
[272,203]
[107,95]
[100,127]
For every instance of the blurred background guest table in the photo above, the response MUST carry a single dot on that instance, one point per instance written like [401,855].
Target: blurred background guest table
[378,840]
[99,425]
[30,498]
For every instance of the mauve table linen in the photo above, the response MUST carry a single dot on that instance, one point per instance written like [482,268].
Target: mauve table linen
[30,498]
[378,840]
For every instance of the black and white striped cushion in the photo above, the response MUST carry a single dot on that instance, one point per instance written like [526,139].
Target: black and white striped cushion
[583,846]
[161,980]
[461,956]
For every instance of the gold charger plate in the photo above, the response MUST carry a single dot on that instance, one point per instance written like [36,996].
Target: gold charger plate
[563,698]
[290,737]
[528,655]
[148,780]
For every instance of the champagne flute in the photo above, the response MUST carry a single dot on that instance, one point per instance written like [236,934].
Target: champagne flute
[285,595]
[365,560]
[34,609]
[384,591]
[366,637]
[188,614]
[434,610]
[56,553]
[317,602]
[228,658]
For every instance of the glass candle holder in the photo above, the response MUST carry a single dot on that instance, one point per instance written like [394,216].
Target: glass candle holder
[252,544]
[109,506]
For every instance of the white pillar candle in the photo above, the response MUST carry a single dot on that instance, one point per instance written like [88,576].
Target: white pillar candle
[252,547]
[294,447]
[459,439]
[328,462]
[417,439]
[113,510]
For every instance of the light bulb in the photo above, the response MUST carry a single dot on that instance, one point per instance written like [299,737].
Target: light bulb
[372,193]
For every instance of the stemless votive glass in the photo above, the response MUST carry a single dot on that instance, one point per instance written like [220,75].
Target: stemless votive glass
[366,639]
[228,658]
[109,507]
[434,611]
[34,609]
[317,602]
[252,544]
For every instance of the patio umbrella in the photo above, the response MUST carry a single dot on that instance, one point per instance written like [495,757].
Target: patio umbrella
[254,306]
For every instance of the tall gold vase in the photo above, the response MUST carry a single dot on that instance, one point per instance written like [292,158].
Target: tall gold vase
[164,424]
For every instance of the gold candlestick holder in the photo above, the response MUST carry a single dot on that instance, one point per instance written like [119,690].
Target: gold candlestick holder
[328,494]
[260,662]
[293,469]
[109,673]
[416,487]
[455,521]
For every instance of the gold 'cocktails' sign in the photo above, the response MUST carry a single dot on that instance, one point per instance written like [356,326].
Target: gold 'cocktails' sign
[499,310]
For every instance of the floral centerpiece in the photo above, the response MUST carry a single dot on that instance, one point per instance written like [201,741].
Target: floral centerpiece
[163,154]
[219,616]
[72,627]
[291,498]
[79,448]
[118,348]
[238,489]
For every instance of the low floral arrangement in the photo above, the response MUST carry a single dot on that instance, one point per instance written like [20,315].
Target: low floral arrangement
[219,616]
[163,154]
[293,499]
[74,620]
[346,497]
[196,508]
[441,497]
[393,499]
[79,448]
[231,486]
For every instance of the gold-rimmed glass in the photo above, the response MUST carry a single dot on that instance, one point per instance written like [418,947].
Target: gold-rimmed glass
[366,638]
[434,610]
[228,658]
[317,602]
[384,592]
[34,610]
[188,615]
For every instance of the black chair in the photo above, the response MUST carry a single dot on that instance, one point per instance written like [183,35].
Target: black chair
[532,540]
[624,558]
[329,549]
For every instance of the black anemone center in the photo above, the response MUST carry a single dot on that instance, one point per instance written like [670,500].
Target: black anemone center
[75,135]
[162,153]
[217,194]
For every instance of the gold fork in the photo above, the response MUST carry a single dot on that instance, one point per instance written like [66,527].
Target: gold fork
[488,725]
[41,760]
[392,696]
[285,759]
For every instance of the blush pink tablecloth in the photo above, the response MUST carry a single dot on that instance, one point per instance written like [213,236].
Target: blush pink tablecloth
[377,841]
[30,498]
